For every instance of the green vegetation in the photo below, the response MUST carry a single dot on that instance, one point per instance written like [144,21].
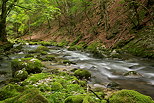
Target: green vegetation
[21,74]
[129,96]
[31,65]
[81,73]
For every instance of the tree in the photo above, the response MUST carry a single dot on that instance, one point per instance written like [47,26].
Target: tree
[6,6]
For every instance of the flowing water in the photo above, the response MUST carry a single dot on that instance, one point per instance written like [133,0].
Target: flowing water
[103,70]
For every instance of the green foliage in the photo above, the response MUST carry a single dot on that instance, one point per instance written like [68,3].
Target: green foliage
[76,41]
[63,43]
[29,14]
[93,46]
[80,46]
[81,73]
[129,96]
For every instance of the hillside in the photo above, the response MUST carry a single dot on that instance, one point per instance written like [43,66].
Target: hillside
[119,27]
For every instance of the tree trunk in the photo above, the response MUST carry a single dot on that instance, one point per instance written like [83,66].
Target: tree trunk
[3,32]
[3,22]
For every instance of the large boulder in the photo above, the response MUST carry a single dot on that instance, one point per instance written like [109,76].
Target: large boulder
[31,65]
[132,74]
[129,96]
[21,75]
[81,74]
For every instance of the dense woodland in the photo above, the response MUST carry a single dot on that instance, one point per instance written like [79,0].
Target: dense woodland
[105,28]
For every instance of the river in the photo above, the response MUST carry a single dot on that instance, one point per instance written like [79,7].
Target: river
[103,70]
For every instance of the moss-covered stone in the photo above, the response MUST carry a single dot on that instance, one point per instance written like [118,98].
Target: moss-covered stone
[30,55]
[42,48]
[129,96]
[31,65]
[81,73]
[80,99]
[44,53]
[31,96]
[74,99]
[67,62]
[21,74]
[56,86]
[49,57]
[132,73]
[8,92]
[35,78]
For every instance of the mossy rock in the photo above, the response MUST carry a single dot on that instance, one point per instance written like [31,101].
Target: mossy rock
[48,57]
[31,96]
[30,55]
[42,48]
[56,86]
[79,99]
[68,62]
[81,73]
[129,96]
[113,85]
[133,73]
[74,99]
[8,91]
[21,75]
[44,53]
[31,65]
[45,43]
[35,78]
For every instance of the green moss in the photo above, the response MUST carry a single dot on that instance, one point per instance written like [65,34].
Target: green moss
[31,96]
[45,43]
[8,91]
[44,87]
[74,99]
[35,77]
[80,73]
[56,86]
[80,46]
[21,74]
[88,99]
[42,48]
[63,43]
[132,73]
[29,55]
[31,65]
[93,46]
[129,96]
[67,62]
[44,53]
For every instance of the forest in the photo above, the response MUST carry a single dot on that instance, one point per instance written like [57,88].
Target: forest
[76,51]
